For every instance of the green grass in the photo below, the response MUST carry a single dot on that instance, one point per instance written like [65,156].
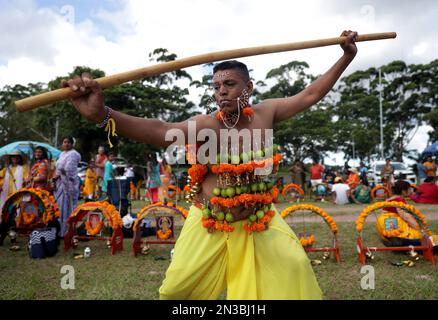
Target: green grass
[124,276]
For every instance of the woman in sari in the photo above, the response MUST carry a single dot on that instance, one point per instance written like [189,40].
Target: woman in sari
[39,174]
[67,182]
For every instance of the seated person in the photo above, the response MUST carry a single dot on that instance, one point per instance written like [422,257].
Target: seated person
[362,194]
[427,192]
[340,192]
[353,179]
[397,219]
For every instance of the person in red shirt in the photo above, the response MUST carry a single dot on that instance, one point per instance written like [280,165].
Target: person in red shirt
[316,172]
[427,192]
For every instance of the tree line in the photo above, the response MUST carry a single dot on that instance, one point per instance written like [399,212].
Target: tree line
[346,120]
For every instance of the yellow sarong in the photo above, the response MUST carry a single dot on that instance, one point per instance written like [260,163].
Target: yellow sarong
[267,265]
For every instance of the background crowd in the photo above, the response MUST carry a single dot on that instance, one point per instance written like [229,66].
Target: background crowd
[105,178]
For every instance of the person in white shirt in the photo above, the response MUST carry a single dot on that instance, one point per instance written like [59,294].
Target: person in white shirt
[341,192]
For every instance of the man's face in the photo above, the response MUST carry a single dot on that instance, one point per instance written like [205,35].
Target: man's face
[228,85]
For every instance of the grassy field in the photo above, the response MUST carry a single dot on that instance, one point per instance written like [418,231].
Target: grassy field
[124,276]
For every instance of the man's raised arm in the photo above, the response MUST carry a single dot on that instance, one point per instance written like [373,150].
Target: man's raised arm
[91,106]
[285,108]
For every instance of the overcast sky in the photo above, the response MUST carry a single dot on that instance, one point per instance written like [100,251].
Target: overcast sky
[42,39]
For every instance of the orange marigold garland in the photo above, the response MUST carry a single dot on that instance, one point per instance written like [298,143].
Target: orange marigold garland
[327,218]
[379,205]
[220,115]
[28,218]
[238,173]
[379,187]
[197,173]
[307,241]
[93,231]
[51,209]
[164,235]
[292,186]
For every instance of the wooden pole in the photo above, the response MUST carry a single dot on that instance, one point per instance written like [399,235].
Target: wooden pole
[106,82]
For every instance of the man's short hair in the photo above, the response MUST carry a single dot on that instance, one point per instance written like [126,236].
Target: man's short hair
[429,179]
[233,64]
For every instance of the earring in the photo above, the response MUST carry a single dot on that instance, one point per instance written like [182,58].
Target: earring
[244,104]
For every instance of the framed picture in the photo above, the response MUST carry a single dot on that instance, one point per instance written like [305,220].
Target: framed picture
[94,218]
[164,227]
[391,224]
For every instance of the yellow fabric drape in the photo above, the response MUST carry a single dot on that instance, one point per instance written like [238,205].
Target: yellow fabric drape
[270,264]
[11,187]
[90,181]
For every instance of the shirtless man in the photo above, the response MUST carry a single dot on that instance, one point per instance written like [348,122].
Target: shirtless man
[204,264]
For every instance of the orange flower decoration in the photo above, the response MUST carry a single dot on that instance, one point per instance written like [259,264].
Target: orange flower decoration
[248,111]
[51,209]
[329,220]
[164,235]
[220,115]
[93,231]
[28,218]
[293,186]
[306,242]
[197,173]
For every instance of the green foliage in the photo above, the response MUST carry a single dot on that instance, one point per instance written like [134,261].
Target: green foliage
[409,98]
[16,126]
[154,97]
[307,134]
[347,120]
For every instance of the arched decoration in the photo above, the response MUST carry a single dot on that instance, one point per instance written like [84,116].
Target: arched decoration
[426,244]
[308,241]
[28,209]
[163,213]
[109,212]
[374,190]
[292,192]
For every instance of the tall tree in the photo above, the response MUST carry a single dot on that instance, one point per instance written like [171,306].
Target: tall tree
[16,126]
[308,134]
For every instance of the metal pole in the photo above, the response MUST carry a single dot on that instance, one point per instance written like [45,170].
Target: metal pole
[354,153]
[56,133]
[381,113]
